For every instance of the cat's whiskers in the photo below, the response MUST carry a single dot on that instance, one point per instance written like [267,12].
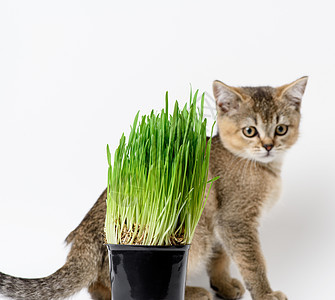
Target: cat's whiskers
[243,175]
[255,166]
[249,166]
[236,161]
[236,166]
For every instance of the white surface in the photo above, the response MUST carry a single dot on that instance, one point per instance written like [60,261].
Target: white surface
[74,73]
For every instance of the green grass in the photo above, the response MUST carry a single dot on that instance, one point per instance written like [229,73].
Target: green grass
[157,182]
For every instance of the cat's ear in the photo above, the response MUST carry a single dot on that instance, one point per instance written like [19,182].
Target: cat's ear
[293,92]
[228,99]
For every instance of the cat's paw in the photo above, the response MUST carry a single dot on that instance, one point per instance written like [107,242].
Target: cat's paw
[197,293]
[230,289]
[278,295]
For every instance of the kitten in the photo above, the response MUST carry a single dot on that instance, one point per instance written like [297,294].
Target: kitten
[256,125]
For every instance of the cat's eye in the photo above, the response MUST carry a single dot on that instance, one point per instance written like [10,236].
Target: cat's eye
[281,129]
[249,131]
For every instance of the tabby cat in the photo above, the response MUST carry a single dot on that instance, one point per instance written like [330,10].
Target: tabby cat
[256,125]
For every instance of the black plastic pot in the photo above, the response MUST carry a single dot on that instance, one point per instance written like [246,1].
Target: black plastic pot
[148,272]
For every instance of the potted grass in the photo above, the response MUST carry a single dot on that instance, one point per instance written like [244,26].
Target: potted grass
[155,198]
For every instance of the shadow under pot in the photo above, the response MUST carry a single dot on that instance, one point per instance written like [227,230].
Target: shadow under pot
[148,272]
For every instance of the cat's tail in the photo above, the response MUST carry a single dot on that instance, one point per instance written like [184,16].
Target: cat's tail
[87,255]
[68,280]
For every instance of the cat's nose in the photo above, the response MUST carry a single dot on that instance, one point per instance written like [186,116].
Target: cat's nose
[268,147]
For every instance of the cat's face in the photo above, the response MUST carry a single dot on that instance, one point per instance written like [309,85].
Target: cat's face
[259,123]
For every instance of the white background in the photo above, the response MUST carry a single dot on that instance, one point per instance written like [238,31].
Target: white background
[74,73]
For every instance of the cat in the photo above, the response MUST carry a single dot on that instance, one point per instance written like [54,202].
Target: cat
[256,126]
